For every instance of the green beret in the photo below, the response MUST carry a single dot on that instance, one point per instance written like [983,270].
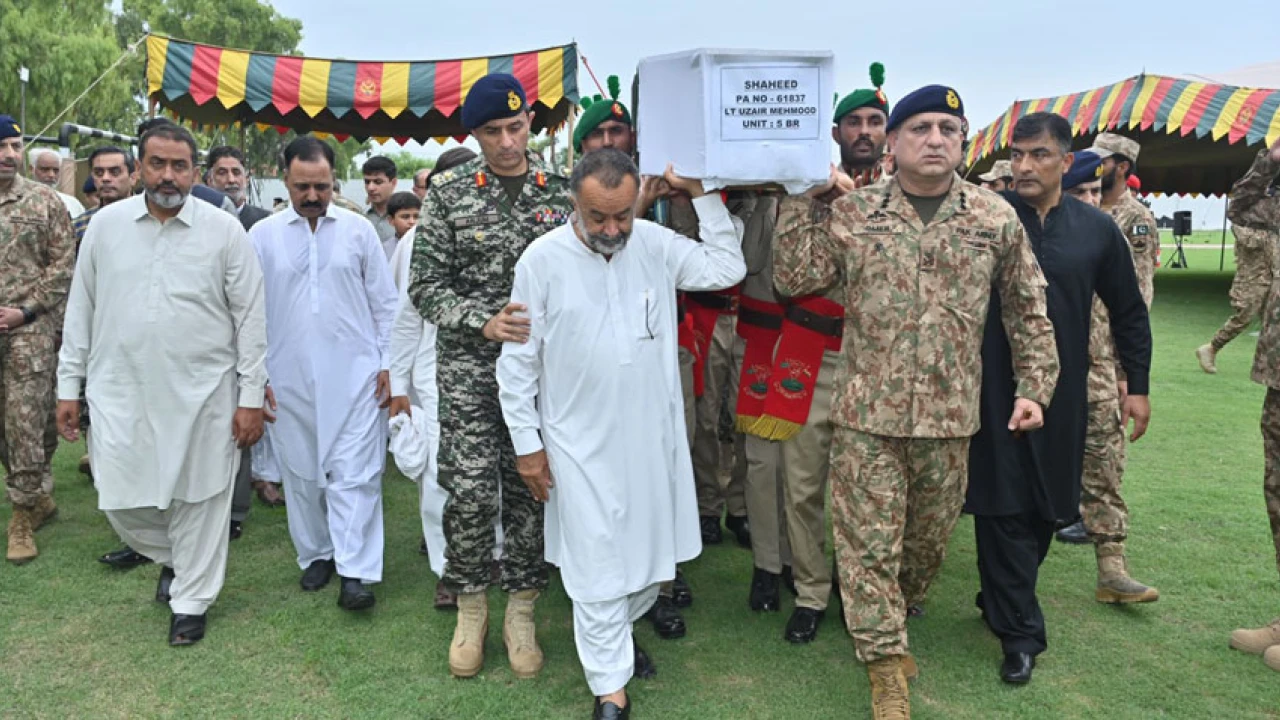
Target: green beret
[866,97]
[597,110]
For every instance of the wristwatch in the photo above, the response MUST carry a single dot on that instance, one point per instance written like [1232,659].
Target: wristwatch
[28,316]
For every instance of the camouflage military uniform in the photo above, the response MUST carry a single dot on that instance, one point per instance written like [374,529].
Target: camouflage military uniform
[464,257]
[1255,262]
[38,250]
[1106,517]
[906,392]
[1254,206]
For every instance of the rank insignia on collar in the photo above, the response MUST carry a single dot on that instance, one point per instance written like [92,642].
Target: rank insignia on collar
[540,179]
[481,179]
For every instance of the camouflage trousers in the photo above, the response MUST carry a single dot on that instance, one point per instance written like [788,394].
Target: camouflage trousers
[1106,517]
[477,468]
[721,375]
[894,504]
[26,393]
[1271,451]
[1247,299]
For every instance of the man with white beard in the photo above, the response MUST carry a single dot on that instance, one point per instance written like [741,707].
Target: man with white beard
[330,307]
[593,403]
[164,327]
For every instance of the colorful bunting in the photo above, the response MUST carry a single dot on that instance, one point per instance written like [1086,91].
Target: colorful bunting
[211,85]
[1148,102]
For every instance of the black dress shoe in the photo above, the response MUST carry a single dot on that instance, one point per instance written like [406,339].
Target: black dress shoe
[125,558]
[186,629]
[645,668]
[166,581]
[666,619]
[803,625]
[317,575]
[740,528]
[764,591]
[1016,668]
[681,593]
[711,531]
[610,711]
[789,580]
[237,529]
[915,610]
[355,595]
[1074,534]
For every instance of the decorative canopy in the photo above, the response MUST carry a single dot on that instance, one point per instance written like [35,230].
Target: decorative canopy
[1197,138]
[216,86]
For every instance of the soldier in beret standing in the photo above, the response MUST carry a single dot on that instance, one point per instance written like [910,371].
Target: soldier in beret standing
[477,220]
[916,257]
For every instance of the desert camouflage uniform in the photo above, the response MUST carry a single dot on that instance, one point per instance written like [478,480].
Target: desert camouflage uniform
[1139,228]
[906,392]
[1255,262]
[1254,204]
[37,255]
[464,258]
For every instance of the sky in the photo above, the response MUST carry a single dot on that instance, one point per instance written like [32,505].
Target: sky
[992,52]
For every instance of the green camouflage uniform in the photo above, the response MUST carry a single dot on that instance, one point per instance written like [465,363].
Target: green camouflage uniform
[1106,517]
[464,257]
[1253,206]
[1255,261]
[906,392]
[37,248]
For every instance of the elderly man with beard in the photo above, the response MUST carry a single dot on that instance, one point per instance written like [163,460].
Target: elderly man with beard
[1021,484]
[165,330]
[46,166]
[600,296]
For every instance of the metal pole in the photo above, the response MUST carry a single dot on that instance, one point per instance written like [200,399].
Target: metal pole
[1222,254]
[23,75]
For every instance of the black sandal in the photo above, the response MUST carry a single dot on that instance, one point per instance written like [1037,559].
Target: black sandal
[186,629]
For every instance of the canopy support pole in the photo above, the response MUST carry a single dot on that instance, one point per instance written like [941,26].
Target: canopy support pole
[569,162]
[1222,253]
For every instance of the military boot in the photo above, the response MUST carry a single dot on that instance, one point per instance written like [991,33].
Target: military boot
[22,544]
[1257,641]
[520,635]
[466,653]
[1208,358]
[1272,657]
[43,511]
[1114,584]
[890,699]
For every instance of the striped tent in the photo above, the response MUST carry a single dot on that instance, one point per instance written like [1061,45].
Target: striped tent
[1197,138]
[216,86]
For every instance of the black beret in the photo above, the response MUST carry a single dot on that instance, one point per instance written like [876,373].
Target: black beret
[930,98]
[496,96]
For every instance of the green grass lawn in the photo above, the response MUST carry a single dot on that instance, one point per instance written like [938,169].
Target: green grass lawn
[80,640]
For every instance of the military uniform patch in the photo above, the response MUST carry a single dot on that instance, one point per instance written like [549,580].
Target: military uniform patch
[468,221]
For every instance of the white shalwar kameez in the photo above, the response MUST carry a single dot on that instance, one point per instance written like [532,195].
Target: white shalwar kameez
[330,305]
[165,327]
[413,374]
[598,386]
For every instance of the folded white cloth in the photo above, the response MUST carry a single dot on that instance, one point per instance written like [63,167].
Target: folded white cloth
[410,443]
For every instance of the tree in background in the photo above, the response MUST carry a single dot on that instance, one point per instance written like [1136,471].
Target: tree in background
[66,44]
[407,164]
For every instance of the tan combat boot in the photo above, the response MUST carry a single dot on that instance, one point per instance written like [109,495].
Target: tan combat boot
[1259,640]
[1272,657]
[1207,357]
[909,668]
[890,699]
[520,635]
[466,653]
[43,511]
[1114,584]
[22,544]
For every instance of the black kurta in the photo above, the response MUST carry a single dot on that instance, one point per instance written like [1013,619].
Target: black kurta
[1081,251]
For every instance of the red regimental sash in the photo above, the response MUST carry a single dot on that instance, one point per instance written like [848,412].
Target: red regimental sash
[760,325]
[705,308]
[812,326]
